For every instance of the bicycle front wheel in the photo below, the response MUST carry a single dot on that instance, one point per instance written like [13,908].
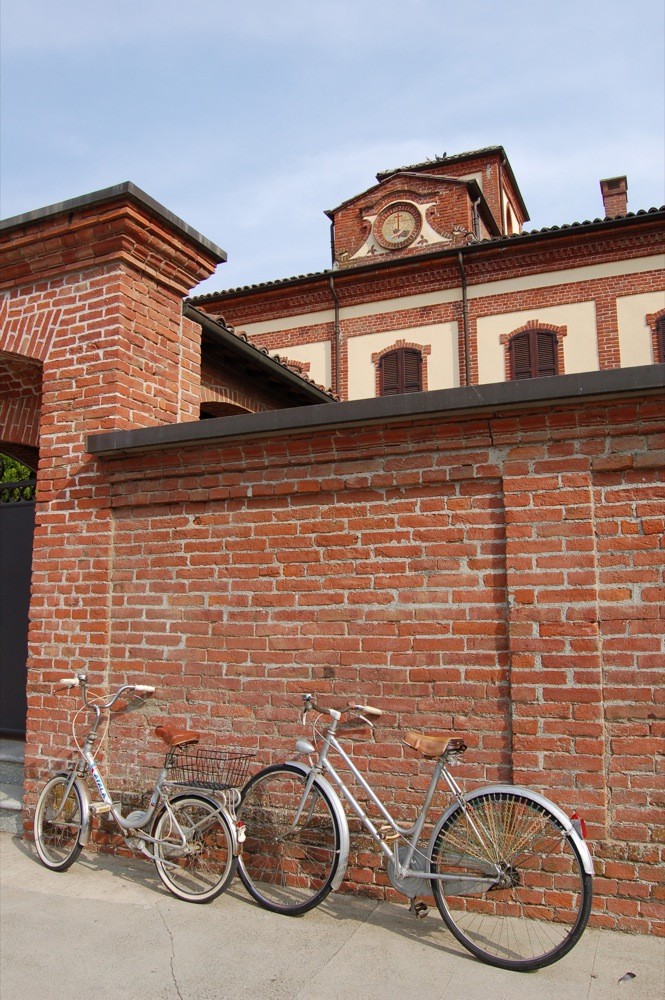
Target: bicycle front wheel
[58,824]
[291,853]
[518,896]
[201,868]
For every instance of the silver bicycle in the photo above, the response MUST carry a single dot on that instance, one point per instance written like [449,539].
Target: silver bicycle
[510,872]
[188,828]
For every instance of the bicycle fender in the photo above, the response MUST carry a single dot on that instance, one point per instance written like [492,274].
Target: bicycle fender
[557,811]
[340,816]
[86,815]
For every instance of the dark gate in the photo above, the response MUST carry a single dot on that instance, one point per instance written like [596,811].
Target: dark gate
[17,523]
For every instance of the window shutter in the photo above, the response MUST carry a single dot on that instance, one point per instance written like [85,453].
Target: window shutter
[546,353]
[389,374]
[401,371]
[520,352]
[412,371]
[660,340]
[533,354]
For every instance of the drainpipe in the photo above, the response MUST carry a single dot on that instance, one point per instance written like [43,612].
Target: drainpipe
[465,318]
[336,336]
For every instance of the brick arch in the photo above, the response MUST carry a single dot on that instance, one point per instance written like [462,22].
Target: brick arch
[533,324]
[656,323]
[424,350]
[20,406]
[29,324]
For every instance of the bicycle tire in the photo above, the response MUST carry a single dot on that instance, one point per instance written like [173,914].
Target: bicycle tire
[58,824]
[538,910]
[200,872]
[287,871]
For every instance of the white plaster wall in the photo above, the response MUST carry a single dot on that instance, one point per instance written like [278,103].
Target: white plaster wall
[317,355]
[635,340]
[442,361]
[580,345]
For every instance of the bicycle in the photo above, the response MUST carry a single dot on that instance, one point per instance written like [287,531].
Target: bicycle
[189,827]
[510,872]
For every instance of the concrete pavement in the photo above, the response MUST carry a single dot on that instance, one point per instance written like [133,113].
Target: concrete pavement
[107,928]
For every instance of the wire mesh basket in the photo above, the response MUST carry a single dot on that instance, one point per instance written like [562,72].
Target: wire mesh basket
[196,767]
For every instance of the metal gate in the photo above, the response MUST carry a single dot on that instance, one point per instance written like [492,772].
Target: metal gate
[17,523]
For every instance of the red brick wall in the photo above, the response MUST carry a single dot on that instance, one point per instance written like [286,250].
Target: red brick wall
[499,576]
[493,574]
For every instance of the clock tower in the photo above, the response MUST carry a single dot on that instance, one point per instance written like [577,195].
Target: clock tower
[447,201]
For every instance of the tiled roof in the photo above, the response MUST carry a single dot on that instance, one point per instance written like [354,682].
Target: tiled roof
[513,237]
[436,161]
[262,356]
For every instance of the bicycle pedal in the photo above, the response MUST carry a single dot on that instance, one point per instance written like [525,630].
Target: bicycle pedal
[97,808]
[419,909]
[387,833]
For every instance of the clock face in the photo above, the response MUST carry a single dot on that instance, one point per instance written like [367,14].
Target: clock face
[397,225]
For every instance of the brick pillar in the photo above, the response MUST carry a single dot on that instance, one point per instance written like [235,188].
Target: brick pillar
[607,327]
[94,292]
[556,677]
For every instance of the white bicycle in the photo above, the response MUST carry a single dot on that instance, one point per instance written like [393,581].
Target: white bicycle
[510,872]
[189,827]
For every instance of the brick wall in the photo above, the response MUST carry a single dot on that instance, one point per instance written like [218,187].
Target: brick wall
[495,570]
[494,574]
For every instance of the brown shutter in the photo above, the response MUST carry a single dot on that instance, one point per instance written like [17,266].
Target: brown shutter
[546,363]
[401,371]
[520,356]
[389,374]
[533,354]
[412,371]
[660,340]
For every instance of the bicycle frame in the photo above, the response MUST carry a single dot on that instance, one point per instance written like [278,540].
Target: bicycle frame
[136,823]
[402,866]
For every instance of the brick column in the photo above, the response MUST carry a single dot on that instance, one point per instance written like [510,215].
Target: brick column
[94,292]
[556,677]
[607,326]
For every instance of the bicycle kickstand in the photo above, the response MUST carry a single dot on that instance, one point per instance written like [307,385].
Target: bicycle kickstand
[418,908]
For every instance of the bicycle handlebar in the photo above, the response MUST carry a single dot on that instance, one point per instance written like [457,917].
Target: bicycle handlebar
[81,680]
[362,710]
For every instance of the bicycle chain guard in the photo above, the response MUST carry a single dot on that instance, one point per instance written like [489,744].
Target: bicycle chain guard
[410,886]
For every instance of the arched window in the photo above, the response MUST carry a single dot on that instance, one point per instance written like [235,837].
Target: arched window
[400,371]
[533,354]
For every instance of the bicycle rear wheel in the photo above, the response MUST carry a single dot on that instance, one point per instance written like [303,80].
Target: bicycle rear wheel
[58,824]
[288,864]
[531,897]
[202,868]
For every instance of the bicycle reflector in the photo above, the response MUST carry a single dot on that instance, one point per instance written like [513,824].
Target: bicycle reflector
[579,824]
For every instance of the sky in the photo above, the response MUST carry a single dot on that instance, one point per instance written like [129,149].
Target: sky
[249,119]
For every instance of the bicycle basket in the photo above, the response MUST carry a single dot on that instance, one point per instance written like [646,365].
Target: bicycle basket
[211,769]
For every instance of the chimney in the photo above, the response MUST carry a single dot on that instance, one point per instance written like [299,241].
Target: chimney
[615,196]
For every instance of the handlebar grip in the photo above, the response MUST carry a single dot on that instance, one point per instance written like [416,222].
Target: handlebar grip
[366,710]
[146,688]
[68,682]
